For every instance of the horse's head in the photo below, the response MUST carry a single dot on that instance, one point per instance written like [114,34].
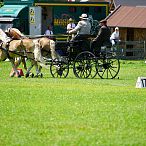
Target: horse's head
[14,33]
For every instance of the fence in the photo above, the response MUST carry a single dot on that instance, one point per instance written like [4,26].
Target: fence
[131,50]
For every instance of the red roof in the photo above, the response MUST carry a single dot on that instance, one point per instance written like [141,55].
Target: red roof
[128,16]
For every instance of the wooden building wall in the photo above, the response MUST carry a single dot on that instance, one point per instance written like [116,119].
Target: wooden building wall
[140,34]
[132,49]
[123,34]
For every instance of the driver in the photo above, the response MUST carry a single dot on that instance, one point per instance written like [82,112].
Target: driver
[82,29]
[102,38]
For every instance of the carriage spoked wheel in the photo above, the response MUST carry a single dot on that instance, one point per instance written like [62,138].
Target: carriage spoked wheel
[108,66]
[59,69]
[85,65]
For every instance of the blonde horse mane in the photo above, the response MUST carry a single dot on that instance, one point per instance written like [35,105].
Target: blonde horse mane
[14,33]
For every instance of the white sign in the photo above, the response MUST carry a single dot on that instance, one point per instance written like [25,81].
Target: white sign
[141,82]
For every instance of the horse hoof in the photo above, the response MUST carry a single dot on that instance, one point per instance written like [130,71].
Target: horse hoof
[31,75]
[27,75]
[12,74]
[19,76]
[41,75]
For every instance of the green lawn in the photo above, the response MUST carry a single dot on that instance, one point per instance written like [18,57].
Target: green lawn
[73,112]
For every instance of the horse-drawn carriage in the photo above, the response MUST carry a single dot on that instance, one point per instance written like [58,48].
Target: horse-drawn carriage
[77,54]
[84,61]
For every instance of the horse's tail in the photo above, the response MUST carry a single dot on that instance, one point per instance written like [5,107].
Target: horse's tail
[37,51]
[52,49]
[37,54]
[54,54]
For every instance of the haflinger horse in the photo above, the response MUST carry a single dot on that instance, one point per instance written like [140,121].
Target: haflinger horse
[45,46]
[23,47]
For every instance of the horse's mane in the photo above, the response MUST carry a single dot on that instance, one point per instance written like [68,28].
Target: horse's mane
[14,33]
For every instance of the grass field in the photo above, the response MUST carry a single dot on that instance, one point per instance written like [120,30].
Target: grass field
[73,112]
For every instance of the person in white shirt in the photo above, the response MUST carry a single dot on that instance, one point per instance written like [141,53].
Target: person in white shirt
[49,31]
[70,26]
[115,37]
[82,29]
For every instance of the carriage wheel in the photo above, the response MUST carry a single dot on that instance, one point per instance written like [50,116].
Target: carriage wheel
[108,67]
[85,65]
[59,69]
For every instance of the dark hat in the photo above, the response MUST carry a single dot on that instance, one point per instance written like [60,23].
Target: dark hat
[103,21]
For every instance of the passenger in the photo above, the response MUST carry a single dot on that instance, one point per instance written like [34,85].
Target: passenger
[71,25]
[115,37]
[82,30]
[102,38]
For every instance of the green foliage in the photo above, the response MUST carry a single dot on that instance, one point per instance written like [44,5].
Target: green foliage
[76,112]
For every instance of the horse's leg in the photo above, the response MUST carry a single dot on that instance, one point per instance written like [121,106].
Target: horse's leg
[28,73]
[17,63]
[38,70]
[24,63]
[15,72]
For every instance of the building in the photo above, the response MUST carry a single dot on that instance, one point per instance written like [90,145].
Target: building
[38,14]
[115,3]
[131,21]
[58,13]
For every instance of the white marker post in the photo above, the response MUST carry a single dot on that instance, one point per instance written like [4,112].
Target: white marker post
[141,82]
